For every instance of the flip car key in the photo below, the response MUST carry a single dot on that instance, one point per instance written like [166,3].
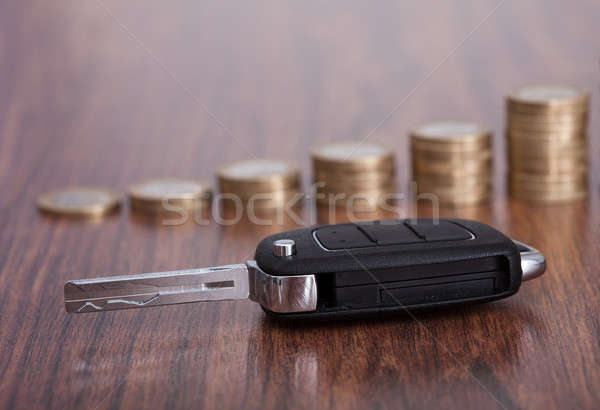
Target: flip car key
[337,269]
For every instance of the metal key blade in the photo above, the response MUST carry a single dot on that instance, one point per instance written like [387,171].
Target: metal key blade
[228,282]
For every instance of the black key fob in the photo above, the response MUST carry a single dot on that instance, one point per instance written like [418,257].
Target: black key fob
[391,265]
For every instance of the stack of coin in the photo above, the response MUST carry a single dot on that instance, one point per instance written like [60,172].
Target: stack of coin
[358,174]
[169,196]
[453,160]
[547,143]
[263,184]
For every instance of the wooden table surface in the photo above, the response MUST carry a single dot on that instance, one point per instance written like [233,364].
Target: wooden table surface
[109,92]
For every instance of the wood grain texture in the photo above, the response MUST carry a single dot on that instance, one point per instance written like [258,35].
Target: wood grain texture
[110,92]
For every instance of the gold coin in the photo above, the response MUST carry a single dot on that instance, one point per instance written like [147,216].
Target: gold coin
[264,200]
[245,190]
[155,191]
[558,128]
[547,168]
[357,185]
[452,157]
[170,208]
[480,187]
[548,165]
[383,169]
[166,196]
[546,155]
[464,200]
[576,109]
[547,98]
[473,166]
[367,193]
[263,174]
[459,197]
[524,149]
[385,186]
[546,136]
[278,193]
[548,178]
[467,148]
[548,197]
[452,180]
[352,156]
[366,178]
[557,189]
[375,165]
[553,186]
[451,132]
[453,172]
[550,140]
[85,202]
[361,201]
[550,120]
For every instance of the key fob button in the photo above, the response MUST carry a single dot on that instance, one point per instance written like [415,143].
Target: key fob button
[390,232]
[344,236]
[442,231]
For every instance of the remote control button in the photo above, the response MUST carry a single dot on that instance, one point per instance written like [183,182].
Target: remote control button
[389,232]
[346,236]
[440,231]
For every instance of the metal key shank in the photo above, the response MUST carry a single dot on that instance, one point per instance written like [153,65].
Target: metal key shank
[284,294]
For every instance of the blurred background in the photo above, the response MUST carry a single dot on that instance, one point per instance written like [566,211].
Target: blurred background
[212,82]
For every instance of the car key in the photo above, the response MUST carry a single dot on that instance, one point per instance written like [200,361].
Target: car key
[346,268]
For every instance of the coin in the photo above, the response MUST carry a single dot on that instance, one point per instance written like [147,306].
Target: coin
[264,200]
[352,155]
[546,137]
[452,157]
[258,174]
[452,180]
[335,176]
[524,148]
[85,202]
[369,190]
[548,165]
[451,147]
[350,185]
[546,144]
[165,196]
[344,196]
[551,197]
[552,119]
[475,166]
[450,132]
[568,178]
[530,182]
[542,127]
[459,198]
[359,201]
[245,190]
[477,187]
[547,98]
[275,196]
[557,188]
[156,190]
